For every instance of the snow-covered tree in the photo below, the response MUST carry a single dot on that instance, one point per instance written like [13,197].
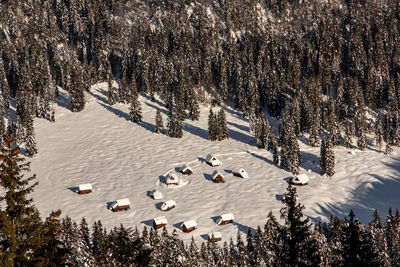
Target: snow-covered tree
[135,110]
[222,126]
[212,126]
[159,126]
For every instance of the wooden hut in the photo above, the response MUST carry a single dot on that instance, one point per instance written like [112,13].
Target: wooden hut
[186,170]
[168,205]
[172,179]
[156,195]
[189,226]
[120,204]
[225,219]
[159,222]
[217,177]
[215,237]
[85,189]
[212,160]
[301,179]
[240,173]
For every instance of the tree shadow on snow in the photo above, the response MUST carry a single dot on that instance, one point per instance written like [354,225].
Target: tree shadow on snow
[287,179]
[243,228]
[74,189]
[195,130]
[62,101]
[380,194]
[240,127]
[236,114]
[100,98]
[117,112]
[148,222]
[279,197]
[260,157]
[162,110]
[309,161]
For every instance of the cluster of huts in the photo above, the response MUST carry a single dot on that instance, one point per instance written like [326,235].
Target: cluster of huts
[172,179]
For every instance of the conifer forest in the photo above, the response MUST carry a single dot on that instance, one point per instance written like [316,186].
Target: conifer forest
[325,72]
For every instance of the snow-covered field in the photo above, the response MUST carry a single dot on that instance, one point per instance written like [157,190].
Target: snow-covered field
[126,160]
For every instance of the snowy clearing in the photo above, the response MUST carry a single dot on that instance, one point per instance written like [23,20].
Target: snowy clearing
[122,159]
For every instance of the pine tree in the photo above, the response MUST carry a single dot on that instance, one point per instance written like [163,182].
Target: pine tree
[171,122]
[329,158]
[54,252]
[296,231]
[379,131]
[379,254]
[319,248]
[159,128]
[361,141]
[212,126]
[135,110]
[194,108]
[389,149]
[322,160]
[348,139]
[272,241]
[30,141]
[110,94]
[77,89]
[178,133]
[20,223]
[2,117]
[222,126]
[100,244]
[314,139]
[352,242]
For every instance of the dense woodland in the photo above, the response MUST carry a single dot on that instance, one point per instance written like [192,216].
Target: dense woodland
[328,70]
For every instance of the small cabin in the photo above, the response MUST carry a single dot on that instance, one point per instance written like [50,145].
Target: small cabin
[215,237]
[240,173]
[186,170]
[168,205]
[301,179]
[212,160]
[156,195]
[189,226]
[218,177]
[85,189]
[225,219]
[159,222]
[172,179]
[120,204]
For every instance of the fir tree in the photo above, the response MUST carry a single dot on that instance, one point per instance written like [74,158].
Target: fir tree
[194,108]
[159,128]
[135,110]
[110,94]
[314,139]
[212,126]
[348,139]
[171,123]
[77,90]
[222,126]
[178,133]
[389,149]
[296,231]
[379,131]
[322,160]
[20,223]
[376,235]
[272,241]
[352,242]
[30,141]
[329,158]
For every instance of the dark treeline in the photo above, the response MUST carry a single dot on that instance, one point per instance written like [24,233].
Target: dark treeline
[27,241]
[321,62]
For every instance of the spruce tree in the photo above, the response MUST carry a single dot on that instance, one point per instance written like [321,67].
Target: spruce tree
[20,223]
[135,110]
[30,141]
[178,133]
[193,106]
[348,139]
[110,93]
[314,139]
[296,231]
[222,126]
[171,122]
[377,238]
[322,159]
[272,241]
[77,89]
[361,141]
[379,131]
[329,158]
[159,128]
[212,126]
[2,117]
[352,243]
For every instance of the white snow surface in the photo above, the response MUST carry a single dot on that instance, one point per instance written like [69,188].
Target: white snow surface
[123,159]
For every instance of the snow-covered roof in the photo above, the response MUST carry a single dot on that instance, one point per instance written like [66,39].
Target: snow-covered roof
[215,235]
[215,173]
[241,172]
[185,168]
[227,217]
[190,224]
[172,178]
[167,204]
[85,187]
[157,194]
[212,160]
[160,220]
[123,202]
[300,179]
